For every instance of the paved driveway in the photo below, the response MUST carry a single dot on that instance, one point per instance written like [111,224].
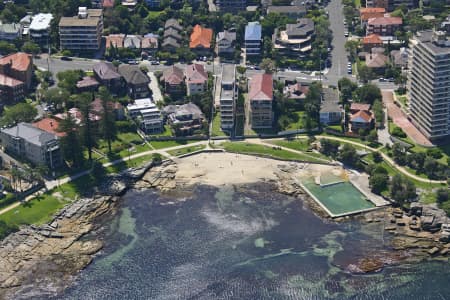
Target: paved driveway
[400,119]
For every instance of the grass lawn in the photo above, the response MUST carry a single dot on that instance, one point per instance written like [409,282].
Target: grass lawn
[167,131]
[186,150]
[299,145]
[135,162]
[300,124]
[126,144]
[216,130]
[246,148]
[167,144]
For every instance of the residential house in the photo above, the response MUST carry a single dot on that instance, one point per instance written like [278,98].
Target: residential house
[132,41]
[36,145]
[107,75]
[293,12]
[184,119]
[25,22]
[371,41]
[201,38]
[173,78]
[330,110]
[172,38]
[296,39]
[82,32]
[228,97]
[19,66]
[361,117]
[49,125]
[384,26]
[296,91]
[10,32]
[260,96]
[87,84]
[39,30]
[377,62]
[233,6]
[400,57]
[149,45]
[114,40]
[225,42]
[116,108]
[130,4]
[77,116]
[366,13]
[196,79]
[147,114]
[136,81]
[390,5]
[252,41]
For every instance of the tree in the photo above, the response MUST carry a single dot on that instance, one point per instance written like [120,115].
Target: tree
[107,121]
[367,93]
[329,147]
[365,74]
[402,189]
[348,155]
[58,96]
[7,48]
[346,87]
[84,103]
[352,47]
[378,182]
[30,47]
[68,80]
[399,153]
[70,142]
[435,153]
[378,111]
[21,112]
[442,195]
[268,65]
[372,137]
[377,158]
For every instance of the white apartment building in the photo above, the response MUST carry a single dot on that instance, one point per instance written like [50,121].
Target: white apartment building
[228,97]
[429,83]
[82,32]
[39,29]
[147,114]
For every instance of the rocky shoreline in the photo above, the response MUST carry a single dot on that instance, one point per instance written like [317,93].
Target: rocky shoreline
[42,260]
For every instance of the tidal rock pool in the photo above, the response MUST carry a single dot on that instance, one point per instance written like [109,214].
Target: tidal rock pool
[244,242]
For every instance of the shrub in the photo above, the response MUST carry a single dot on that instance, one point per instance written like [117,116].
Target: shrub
[398,132]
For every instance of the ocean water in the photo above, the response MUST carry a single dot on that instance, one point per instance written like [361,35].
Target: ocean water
[244,242]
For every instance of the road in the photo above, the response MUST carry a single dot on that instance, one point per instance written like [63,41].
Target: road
[338,54]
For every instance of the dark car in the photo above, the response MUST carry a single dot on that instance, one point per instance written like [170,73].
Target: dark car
[66,58]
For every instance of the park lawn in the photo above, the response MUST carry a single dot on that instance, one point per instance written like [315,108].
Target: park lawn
[167,132]
[216,130]
[168,144]
[186,150]
[129,163]
[299,145]
[300,124]
[246,148]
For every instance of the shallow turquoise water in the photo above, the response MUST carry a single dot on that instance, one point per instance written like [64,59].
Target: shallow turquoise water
[246,243]
[339,198]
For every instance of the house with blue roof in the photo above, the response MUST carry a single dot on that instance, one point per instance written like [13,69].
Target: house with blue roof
[253,38]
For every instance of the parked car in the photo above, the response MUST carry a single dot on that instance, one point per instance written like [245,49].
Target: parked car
[346,34]
[154,63]
[66,58]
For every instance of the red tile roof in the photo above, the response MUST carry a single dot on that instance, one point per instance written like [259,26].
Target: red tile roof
[115,39]
[196,73]
[201,37]
[366,117]
[372,39]
[376,60]
[20,61]
[261,87]
[9,81]
[50,125]
[108,3]
[360,106]
[385,21]
[87,81]
[173,75]
[371,12]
